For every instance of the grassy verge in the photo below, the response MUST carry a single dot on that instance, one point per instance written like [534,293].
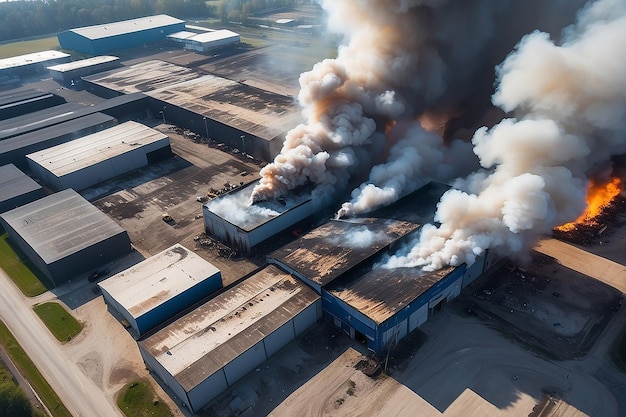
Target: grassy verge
[137,399]
[21,272]
[61,323]
[32,374]
[29,46]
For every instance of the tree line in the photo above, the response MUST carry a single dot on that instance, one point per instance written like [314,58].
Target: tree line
[26,18]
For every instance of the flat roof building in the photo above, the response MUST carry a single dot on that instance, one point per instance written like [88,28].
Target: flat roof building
[231,218]
[14,149]
[17,103]
[29,63]
[158,288]
[108,37]
[17,188]
[95,158]
[250,119]
[204,352]
[64,235]
[73,71]
[205,41]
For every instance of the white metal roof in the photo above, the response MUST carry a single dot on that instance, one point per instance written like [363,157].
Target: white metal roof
[201,342]
[89,150]
[158,279]
[27,59]
[126,26]
[217,35]
[83,63]
[182,35]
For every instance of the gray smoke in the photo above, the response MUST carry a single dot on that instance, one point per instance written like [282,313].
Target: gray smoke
[570,102]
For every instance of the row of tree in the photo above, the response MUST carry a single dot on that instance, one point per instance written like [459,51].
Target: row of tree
[13,401]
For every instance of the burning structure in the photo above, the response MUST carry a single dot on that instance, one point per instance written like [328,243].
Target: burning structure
[529,171]
[231,218]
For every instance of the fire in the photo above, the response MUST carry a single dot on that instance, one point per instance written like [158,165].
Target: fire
[598,197]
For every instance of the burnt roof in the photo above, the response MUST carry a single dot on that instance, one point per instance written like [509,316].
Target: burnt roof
[336,247]
[381,293]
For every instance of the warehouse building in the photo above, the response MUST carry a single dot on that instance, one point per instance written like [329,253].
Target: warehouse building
[232,220]
[98,157]
[17,103]
[31,63]
[339,260]
[109,37]
[160,287]
[247,118]
[14,150]
[206,41]
[41,119]
[17,188]
[64,235]
[74,71]
[206,351]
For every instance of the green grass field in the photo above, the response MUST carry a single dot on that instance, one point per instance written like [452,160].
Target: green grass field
[20,272]
[28,46]
[137,399]
[31,373]
[60,323]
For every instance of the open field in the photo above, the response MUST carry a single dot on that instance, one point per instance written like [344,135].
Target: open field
[137,399]
[61,323]
[29,46]
[18,269]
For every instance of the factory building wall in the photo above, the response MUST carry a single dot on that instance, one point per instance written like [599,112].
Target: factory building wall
[46,138]
[100,171]
[216,383]
[492,259]
[21,199]
[73,41]
[474,271]
[258,147]
[100,90]
[245,241]
[392,330]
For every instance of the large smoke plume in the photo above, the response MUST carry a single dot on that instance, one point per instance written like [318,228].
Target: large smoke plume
[405,60]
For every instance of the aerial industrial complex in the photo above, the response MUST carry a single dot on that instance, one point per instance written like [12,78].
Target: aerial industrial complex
[73,173]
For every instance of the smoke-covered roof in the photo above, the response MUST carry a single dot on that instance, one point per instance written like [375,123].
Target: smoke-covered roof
[334,248]
[381,293]
[200,343]
[236,209]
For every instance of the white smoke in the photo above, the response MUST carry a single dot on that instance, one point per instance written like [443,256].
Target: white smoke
[570,102]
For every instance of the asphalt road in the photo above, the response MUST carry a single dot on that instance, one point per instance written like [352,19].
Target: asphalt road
[79,394]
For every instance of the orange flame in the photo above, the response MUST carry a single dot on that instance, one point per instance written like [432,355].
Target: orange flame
[598,197]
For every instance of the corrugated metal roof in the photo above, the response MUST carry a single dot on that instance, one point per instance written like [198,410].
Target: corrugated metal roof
[142,77]
[182,35]
[158,279]
[217,35]
[236,209]
[60,130]
[126,26]
[337,246]
[91,149]
[257,112]
[83,63]
[39,119]
[381,293]
[200,343]
[28,59]
[332,249]
[7,99]
[14,183]
[61,224]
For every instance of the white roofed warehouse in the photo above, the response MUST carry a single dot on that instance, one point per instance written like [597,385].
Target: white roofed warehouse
[109,37]
[161,286]
[64,235]
[95,158]
[209,349]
